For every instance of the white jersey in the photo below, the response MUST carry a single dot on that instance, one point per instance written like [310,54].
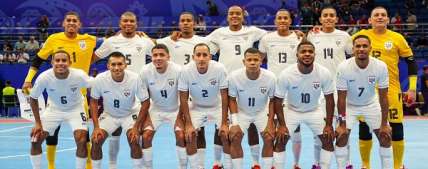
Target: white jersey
[330,48]
[280,50]
[135,49]
[119,98]
[252,96]
[203,88]
[361,84]
[63,94]
[162,87]
[232,44]
[181,51]
[303,91]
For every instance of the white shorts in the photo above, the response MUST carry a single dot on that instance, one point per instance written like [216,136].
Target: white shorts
[371,113]
[110,123]
[202,116]
[160,118]
[52,118]
[313,119]
[260,120]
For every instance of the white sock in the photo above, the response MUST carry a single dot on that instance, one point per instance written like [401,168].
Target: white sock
[96,164]
[201,157]
[80,163]
[325,157]
[267,162]
[182,157]
[279,160]
[112,164]
[193,160]
[317,149]
[297,146]
[136,163]
[237,163]
[148,158]
[255,153]
[386,157]
[113,150]
[227,161]
[36,161]
[348,160]
[218,150]
[341,156]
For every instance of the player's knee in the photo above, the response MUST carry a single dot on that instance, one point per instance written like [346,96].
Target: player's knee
[117,132]
[364,131]
[80,137]
[179,138]
[397,131]
[279,146]
[237,138]
[267,139]
[148,136]
[327,144]
[342,141]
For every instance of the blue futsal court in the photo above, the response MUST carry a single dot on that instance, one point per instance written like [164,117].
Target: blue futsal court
[15,147]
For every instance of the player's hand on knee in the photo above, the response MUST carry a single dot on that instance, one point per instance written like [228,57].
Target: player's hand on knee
[37,133]
[224,130]
[282,133]
[341,131]
[26,88]
[409,98]
[189,133]
[270,130]
[385,132]
[234,131]
[328,132]
[134,135]
[97,135]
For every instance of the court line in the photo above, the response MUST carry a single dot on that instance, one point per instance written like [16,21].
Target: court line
[25,155]
[15,128]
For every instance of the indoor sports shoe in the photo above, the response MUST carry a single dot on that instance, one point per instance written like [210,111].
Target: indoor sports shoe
[349,167]
[216,166]
[296,167]
[256,167]
[316,167]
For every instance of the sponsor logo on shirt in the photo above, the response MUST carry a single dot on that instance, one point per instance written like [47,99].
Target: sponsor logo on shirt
[294,87]
[106,91]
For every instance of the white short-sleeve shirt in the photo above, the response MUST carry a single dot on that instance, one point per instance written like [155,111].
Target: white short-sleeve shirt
[303,91]
[252,96]
[63,94]
[361,84]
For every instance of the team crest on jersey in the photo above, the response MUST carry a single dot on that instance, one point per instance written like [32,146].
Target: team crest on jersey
[388,45]
[372,79]
[139,48]
[126,92]
[73,89]
[263,90]
[338,42]
[316,85]
[171,82]
[213,82]
[82,44]
[292,46]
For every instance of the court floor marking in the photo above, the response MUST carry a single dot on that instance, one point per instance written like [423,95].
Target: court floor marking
[27,155]
[15,128]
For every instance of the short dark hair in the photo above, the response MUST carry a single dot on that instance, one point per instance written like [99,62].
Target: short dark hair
[328,7]
[188,13]
[253,51]
[283,10]
[161,46]
[305,42]
[201,44]
[379,7]
[61,51]
[363,37]
[74,13]
[8,82]
[116,55]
